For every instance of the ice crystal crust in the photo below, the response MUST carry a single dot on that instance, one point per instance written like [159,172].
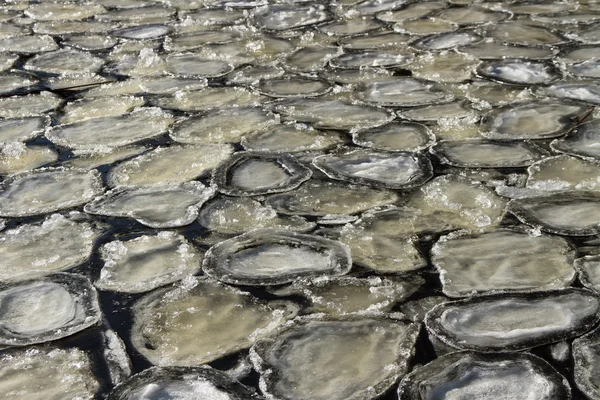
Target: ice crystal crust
[181,383]
[486,323]
[284,192]
[485,376]
[45,309]
[188,326]
[270,256]
[321,345]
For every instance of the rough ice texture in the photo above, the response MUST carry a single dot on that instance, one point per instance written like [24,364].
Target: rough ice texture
[164,205]
[47,373]
[514,322]
[502,260]
[471,375]
[48,190]
[56,244]
[344,358]
[200,321]
[270,256]
[181,383]
[46,309]
[147,262]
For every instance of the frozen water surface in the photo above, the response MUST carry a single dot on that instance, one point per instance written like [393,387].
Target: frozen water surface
[200,321]
[315,179]
[469,375]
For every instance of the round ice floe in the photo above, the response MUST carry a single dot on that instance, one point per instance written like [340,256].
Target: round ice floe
[403,92]
[189,65]
[195,40]
[64,62]
[485,377]
[518,32]
[63,11]
[533,7]
[434,113]
[164,205]
[114,131]
[293,87]
[471,15]
[182,383]
[481,153]
[92,160]
[586,69]
[370,7]
[37,249]
[373,59]
[271,257]
[378,251]
[144,14]
[48,190]
[563,213]
[395,136]
[333,114]
[445,41]
[200,321]
[169,164]
[425,26]
[400,170]
[489,95]
[519,72]
[256,49]
[588,92]
[46,309]
[322,198]
[44,373]
[285,17]
[380,349]
[395,222]
[446,67]
[502,260]
[586,355]
[236,215]
[493,50]
[349,27]
[373,41]
[31,105]
[71,27]
[311,58]
[290,139]
[144,263]
[17,158]
[90,42]
[589,271]
[533,120]
[22,129]
[28,44]
[98,107]
[349,295]
[143,32]
[252,74]
[452,201]
[214,16]
[564,172]
[250,174]
[411,11]
[500,323]
[211,98]
[580,54]
[222,126]
[15,82]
